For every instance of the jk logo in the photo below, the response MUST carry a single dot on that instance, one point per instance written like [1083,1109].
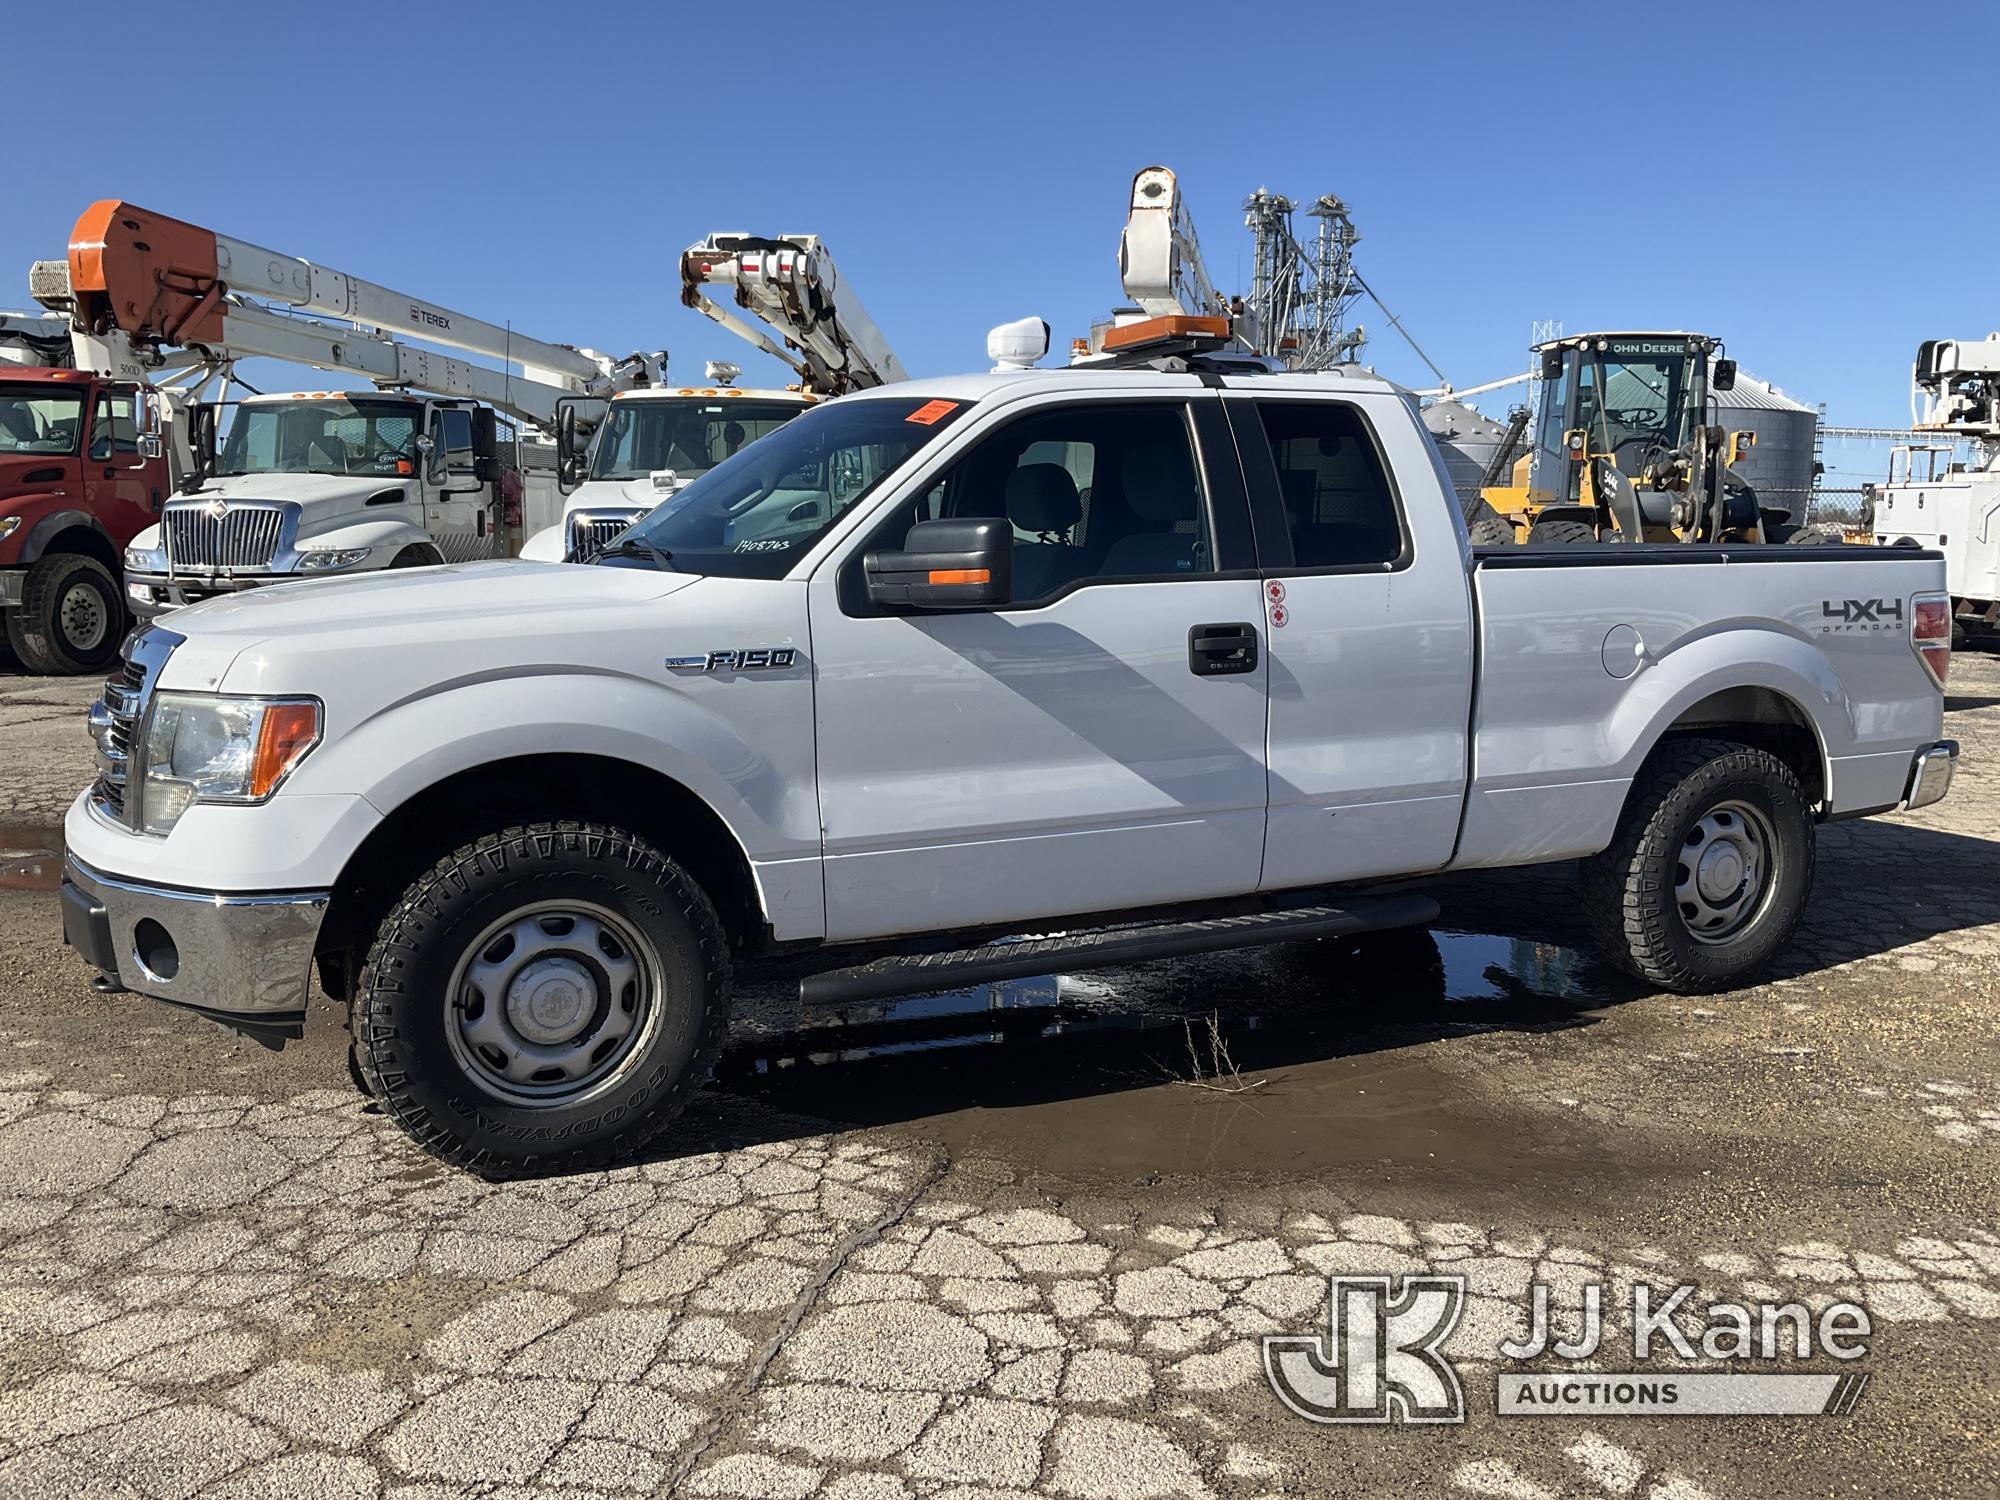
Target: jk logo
[1863,611]
[1379,1359]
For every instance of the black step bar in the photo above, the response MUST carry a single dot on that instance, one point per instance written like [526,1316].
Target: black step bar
[926,973]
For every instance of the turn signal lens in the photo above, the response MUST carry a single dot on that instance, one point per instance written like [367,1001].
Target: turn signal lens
[289,730]
[1930,634]
[961,575]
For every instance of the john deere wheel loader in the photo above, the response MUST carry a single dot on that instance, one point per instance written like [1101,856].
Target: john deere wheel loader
[1622,449]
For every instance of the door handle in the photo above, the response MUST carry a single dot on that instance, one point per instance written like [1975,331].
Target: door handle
[1219,650]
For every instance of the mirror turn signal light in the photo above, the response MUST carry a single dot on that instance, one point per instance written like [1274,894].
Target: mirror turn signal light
[961,575]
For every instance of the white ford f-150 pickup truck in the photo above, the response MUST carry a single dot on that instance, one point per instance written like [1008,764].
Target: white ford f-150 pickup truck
[1156,660]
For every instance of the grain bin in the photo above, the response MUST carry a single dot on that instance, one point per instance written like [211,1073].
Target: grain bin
[1780,467]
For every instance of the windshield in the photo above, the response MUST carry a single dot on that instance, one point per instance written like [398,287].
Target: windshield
[34,419]
[687,436]
[1633,397]
[338,436]
[752,515]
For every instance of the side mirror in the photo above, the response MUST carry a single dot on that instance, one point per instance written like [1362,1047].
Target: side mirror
[1723,377]
[952,564]
[433,457]
[150,446]
[1552,364]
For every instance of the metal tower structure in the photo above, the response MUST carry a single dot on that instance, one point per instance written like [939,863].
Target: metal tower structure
[1300,297]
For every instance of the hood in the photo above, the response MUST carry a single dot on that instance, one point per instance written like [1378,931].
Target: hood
[634,492]
[387,610]
[349,490]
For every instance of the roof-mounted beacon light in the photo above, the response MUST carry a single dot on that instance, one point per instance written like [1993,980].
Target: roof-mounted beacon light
[1017,345]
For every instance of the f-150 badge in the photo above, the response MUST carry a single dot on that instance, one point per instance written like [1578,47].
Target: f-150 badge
[761,659]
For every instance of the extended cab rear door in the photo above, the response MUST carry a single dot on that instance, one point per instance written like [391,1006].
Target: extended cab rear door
[1370,625]
[1096,744]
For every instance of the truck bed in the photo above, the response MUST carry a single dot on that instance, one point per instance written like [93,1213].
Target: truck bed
[1589,653]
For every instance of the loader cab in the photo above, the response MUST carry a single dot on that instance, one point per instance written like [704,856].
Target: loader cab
[1631,396]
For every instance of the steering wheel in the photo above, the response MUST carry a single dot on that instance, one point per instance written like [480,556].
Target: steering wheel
[1635,416]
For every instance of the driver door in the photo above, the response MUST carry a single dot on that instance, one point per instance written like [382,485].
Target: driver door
[458,512]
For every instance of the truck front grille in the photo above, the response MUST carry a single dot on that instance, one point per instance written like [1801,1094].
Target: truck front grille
[243,536]
[589,531]
[118,719]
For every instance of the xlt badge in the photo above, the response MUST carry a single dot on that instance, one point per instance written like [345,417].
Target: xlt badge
[759,659]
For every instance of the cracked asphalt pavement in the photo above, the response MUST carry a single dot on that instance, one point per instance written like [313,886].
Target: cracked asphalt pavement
[1025,1239]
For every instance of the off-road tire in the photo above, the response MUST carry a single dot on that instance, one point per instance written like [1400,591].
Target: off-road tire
[36,630]
[1628,889]
[1486,527]
[1560,533]
[402,1008]
[1814,536]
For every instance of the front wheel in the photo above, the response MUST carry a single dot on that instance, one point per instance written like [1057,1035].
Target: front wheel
[1706,879]
[546,997]
[71,619]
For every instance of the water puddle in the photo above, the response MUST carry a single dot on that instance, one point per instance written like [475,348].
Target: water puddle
[1271,1060]
[30,858]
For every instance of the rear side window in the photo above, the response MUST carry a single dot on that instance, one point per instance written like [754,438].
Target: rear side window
[1338,504]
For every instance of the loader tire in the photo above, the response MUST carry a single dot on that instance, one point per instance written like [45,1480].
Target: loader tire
[1560,534]
[1486,527]
[1814,536]
[72,616]
[1706,878]
[545,998]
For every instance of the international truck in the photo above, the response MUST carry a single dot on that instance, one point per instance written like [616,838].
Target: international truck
[1067,668]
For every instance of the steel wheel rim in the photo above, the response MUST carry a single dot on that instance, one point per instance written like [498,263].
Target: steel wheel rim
[82,617]
[553,1003]
[1722,874]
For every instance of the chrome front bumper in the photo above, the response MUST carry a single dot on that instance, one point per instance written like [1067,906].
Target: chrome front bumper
[1930,774]
[149,595]
[242,959]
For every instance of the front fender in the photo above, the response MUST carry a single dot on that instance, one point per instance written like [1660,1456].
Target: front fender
[410,746]
[43,519]
[545,545]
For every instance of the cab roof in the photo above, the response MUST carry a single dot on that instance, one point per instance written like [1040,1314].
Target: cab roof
[1343,380]
[676,392]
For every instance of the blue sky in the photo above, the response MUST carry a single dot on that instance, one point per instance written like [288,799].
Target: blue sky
[1784,176]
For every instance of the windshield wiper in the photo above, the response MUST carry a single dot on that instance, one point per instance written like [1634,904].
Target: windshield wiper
[632,546]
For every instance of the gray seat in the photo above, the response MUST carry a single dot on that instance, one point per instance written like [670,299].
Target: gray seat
[1160,492]
[1042,499]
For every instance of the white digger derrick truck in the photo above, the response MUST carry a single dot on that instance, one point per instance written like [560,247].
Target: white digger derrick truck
[1937,498]
[650,443]
[415,469]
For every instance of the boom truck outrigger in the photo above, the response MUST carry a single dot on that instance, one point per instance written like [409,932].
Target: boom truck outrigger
[651,443]
[413,470]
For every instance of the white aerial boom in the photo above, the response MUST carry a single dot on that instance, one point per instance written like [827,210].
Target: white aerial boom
[1159,258]
[148,294]
[792,285]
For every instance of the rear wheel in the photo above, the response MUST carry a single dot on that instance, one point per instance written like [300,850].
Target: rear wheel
[1560,533]
[543,998]
[71,618]
[1706,879]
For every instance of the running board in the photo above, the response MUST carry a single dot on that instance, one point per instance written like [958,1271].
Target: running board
[928,973]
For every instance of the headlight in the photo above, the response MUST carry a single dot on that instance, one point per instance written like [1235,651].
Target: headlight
[139,560]
[319,560]
[8,526]
[202,747]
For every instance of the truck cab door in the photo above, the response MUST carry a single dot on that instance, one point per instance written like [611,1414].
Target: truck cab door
[123,488]
[1370,616]
[459,505]
[1095,743]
